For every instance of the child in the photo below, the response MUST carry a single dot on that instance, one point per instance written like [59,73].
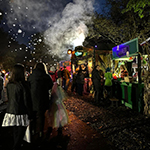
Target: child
[57,116]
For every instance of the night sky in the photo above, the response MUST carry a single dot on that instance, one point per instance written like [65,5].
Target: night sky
[62,22]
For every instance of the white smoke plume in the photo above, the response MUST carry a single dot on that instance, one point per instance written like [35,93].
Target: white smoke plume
[71,29]
[63,22]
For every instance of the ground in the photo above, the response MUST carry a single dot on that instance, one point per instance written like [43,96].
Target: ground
[92,127]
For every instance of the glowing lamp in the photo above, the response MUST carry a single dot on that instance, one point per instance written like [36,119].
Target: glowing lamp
[69,51]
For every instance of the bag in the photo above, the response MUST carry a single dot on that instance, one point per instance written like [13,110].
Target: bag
[27,136]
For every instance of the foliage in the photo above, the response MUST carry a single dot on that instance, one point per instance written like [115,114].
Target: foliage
[119,27]
[139,6]
[8,61]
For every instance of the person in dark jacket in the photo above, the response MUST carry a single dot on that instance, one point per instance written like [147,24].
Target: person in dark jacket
[80,81]
[74,84]
[97,80]
[40,83]
[19,108]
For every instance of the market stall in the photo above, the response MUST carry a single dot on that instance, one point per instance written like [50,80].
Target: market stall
[129,92]
[89,57]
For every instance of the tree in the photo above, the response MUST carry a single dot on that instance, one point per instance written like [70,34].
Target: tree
[140,6]
[119,27]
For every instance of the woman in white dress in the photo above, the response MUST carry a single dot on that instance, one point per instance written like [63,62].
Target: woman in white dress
[19,108]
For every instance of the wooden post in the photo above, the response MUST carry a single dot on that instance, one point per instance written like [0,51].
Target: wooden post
[139,69]
[94,56]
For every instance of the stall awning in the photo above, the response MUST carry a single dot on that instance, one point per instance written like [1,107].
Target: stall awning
[126,50]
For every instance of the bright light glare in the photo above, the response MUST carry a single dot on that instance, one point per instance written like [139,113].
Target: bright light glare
[79,40]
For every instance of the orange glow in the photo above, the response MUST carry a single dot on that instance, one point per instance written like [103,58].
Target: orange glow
[69,51]
[73,52]
[3,71]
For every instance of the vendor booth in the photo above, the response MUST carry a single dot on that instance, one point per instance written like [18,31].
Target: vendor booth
[89,57]
[129,90]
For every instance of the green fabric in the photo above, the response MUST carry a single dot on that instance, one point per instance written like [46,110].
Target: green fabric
[108,79]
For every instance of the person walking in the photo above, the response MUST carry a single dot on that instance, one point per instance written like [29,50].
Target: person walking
[59,76]
[53,73]
[80,81]
[19,108]
[97,80]
[74,84]
[57,116]
[40,84]
[66,78]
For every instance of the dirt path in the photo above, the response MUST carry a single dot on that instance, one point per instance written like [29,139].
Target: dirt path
[77,135]
[82,136]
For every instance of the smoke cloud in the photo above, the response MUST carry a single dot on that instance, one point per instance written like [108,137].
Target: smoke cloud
[62,22]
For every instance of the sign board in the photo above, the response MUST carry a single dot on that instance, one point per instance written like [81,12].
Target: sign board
[125,50]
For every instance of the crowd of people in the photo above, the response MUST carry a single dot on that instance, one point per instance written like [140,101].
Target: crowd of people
[31,101]
[39,96]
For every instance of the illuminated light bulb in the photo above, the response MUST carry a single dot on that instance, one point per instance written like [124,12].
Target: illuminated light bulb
[0,13]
